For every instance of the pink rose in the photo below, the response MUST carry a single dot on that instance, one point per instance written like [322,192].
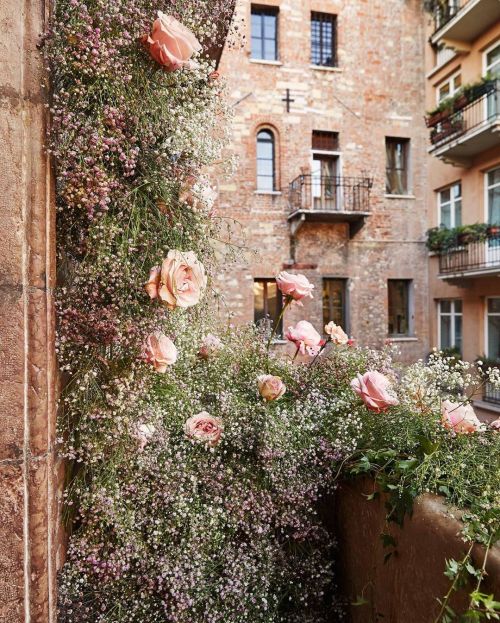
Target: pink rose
[296,286]
[270,387]
[209,346]
[153,282]
[336,333]
[373,388]
[160,351]
[458,417]
[204,428]
[143,434]
[180,282]
[495,425]
[305,337]
[171,44]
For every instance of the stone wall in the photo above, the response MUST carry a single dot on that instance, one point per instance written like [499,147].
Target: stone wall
[405,588]
[377,90]
[28,469]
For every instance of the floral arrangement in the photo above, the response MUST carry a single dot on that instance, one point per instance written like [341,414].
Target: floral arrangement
[196,456]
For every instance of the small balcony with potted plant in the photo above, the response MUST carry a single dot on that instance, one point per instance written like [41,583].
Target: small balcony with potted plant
[466,124]
[467,251]
[458,23]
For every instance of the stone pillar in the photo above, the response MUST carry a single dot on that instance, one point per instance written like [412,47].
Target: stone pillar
[28,509]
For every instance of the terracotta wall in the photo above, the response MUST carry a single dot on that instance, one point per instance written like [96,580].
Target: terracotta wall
[405,588]
[472,291]
[28,510]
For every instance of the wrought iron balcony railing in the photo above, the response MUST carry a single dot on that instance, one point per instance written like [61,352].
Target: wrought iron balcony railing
[491,394]
[315,193]
[445,11]
[480,111]
[472,258]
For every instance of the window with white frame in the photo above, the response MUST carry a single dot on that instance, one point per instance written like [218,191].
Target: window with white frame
[450,206]
[448,87]
[450,324]
[493,196]
[492,61]
[493,328]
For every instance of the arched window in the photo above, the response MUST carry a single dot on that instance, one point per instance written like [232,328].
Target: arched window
[266,176]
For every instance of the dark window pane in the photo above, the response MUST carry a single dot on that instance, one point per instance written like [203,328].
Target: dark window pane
[334,302]
[267,302]
[399,313]
[397,165]
[264,33]
[323,39]
[265,161]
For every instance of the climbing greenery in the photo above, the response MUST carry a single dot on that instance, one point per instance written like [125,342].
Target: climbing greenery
[189,498]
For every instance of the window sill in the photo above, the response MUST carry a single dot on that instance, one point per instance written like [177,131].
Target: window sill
[397,338]
[437,68]
[335,70]
[274,193]
[389,196]
[487,406]
[262,61]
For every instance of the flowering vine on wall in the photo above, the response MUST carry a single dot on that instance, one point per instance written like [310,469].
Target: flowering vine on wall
[195,455]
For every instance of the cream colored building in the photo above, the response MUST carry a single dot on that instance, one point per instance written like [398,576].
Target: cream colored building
[464,180]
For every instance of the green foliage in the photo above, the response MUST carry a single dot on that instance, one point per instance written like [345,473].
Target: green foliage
[441,239]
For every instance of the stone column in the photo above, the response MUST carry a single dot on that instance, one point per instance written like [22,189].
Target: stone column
[28,468]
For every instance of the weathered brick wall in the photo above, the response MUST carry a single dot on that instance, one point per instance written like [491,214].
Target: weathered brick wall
[377,91]
[28,507]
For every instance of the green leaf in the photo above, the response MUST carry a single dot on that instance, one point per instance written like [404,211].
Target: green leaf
[388,540]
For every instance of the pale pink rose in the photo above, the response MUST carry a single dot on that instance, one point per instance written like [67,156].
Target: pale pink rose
[210,345]
[204,428]
[296,286]
[305,337]
[458,417]
[336,333]
[171,44]
[495,425]
[160,351]
[373,388]
[180,282]
[153,282]
[143,433]
[270,387]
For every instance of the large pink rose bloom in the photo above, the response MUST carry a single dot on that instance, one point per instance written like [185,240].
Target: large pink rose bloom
[179,282]
[204,428]
[170,43]
[458,417]
[305,337]
[160,351]
[296,286]
[373,388]
[270,387]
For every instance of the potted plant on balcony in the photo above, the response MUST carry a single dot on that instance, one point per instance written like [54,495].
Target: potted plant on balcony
[493,231]
[442,111]
[466,234]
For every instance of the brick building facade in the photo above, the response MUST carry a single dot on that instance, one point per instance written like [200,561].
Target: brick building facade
[463,75]
[352,139]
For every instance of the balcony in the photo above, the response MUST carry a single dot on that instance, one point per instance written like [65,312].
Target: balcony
[468,130]
[459,22]
[479,258]
[491,394]
[325,199]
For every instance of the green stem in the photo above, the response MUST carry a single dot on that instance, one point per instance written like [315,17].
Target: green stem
[454,583]
[483,570]
[288,300]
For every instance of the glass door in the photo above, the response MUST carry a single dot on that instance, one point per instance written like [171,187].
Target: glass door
[493,204]
[492,70]
[324,182]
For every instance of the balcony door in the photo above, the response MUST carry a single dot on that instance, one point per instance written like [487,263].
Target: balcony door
[325,182]
[492,68]
[493,215]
